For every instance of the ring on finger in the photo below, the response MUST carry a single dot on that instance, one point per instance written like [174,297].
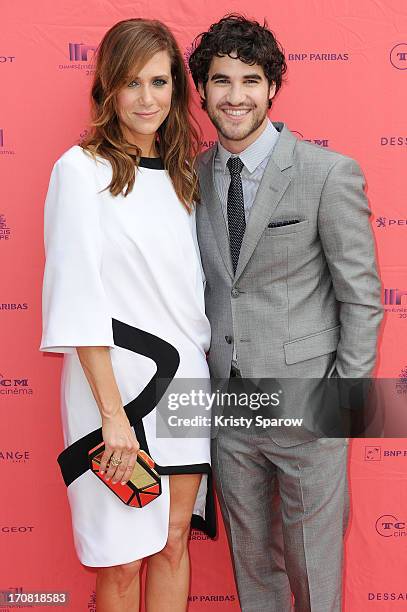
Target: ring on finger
[115,461]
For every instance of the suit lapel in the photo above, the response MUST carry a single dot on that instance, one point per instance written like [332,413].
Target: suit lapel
[211,199]
[272,187]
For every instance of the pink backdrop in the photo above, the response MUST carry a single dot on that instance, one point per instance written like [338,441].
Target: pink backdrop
[345,88]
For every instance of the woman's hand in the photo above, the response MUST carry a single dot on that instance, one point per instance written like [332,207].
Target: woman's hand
[118,435]
[120,443]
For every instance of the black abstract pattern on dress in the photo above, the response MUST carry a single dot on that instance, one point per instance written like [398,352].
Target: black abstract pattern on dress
[235,208]
[73,460]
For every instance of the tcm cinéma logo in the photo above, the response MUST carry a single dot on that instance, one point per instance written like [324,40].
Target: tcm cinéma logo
[389,526]
[321,142]
[13,382]
[14,386]
[398,56]
[394,297]
[79,52]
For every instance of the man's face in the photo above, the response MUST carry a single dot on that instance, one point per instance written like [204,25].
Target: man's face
[237,100]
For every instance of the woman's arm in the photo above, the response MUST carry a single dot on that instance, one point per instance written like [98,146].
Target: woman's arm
[76,310]
[118,435]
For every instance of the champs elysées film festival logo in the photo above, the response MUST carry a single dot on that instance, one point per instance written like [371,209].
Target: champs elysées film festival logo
[395,302]
[81,57]
[5,230]
[398,56]
[4,150]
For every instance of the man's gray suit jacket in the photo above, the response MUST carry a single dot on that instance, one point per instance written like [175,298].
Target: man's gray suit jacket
[306,298]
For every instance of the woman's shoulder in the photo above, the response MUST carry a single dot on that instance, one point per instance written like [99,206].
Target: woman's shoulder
[78,158]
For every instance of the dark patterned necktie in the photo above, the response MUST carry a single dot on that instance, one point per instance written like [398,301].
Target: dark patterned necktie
[236,218]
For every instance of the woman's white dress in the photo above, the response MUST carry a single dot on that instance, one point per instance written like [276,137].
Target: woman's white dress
[132,262]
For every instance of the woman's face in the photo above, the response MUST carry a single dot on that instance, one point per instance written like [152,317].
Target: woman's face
[144,103]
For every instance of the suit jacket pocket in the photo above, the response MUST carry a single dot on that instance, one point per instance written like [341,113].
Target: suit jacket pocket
[292,228]
[311,346]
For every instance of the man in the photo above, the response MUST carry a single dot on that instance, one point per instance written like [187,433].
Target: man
[292,292]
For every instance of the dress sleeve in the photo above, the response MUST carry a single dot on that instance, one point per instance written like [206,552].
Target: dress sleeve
[75,309]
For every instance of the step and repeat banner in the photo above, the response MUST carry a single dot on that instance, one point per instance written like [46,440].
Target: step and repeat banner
[345,89]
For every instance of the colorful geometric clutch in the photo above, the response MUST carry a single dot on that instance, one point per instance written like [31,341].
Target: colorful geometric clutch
[144,485]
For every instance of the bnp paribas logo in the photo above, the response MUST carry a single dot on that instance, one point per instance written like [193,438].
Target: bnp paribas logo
[319,56]
[212,598]
[398,56]
[207,144]
[373,453]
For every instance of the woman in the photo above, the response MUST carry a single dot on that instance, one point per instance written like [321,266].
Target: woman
[123,298]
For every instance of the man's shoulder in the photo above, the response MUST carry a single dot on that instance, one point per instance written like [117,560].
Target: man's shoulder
[319,155]
[205,157]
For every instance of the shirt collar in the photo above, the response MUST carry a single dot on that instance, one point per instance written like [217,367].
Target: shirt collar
[255,153]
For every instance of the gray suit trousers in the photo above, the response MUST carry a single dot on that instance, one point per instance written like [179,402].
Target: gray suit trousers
[312,480]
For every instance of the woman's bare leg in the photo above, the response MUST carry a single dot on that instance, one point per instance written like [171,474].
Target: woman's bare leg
[118,588]
[168,571]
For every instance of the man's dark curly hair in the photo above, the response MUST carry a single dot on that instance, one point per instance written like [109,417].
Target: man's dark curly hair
[236,36]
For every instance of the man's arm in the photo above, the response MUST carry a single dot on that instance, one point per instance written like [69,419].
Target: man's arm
[347,239]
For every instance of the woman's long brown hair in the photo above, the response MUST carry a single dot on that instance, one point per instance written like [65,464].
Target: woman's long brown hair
[124,50]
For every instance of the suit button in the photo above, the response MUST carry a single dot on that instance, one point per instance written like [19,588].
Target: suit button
[229,339]
[235,292]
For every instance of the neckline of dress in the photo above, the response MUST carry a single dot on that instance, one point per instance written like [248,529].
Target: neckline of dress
[153,163]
